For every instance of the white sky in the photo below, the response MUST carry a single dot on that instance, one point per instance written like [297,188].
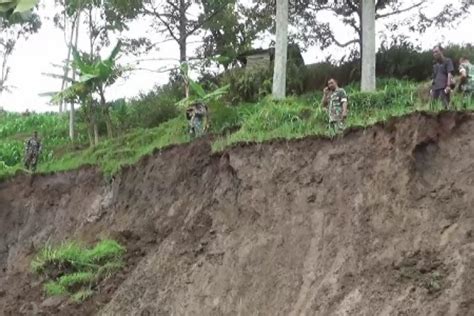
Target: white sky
[35,56]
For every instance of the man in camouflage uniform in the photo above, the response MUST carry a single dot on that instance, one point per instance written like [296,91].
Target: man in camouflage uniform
[466,69]
[197,116]
[32,152]
[335,101]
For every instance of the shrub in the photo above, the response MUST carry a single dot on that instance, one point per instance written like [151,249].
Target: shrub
[399,61]
[251,85]
[247,85]
[147,110]
[317,75]
[222,117]
[390,93]
[74,270]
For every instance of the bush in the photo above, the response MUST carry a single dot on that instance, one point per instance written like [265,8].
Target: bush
[247,85]
[148,109]
[317,75]
[399,61]
[222,117]
[251,85]
[15,129]
[390,93]
[74,270]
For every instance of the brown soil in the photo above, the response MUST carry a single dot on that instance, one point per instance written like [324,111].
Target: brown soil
[379,222]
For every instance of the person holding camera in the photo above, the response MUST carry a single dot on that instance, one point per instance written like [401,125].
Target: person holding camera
[443,80]
[335,102]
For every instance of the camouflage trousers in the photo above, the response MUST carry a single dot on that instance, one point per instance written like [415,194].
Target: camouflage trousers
[196,127]
[337,126]
[31,160]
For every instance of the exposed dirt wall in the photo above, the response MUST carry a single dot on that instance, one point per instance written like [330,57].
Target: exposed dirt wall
[379,222]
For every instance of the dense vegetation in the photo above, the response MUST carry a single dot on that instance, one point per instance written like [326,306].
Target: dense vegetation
[75,270]
[164,124]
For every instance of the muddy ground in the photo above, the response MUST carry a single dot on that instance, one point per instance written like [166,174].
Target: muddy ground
[378,222]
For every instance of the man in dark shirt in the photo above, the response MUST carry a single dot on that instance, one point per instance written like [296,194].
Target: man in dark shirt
[442,77]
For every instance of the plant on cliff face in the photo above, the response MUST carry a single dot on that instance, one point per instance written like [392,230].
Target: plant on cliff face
[76,271]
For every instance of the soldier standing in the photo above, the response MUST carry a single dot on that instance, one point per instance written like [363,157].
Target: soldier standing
[197,115]
[32,152]
[335,101]
[466,69]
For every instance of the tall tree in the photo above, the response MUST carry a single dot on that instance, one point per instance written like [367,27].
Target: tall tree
[281,48]
[10,7]
[73,44]
[308,12]
[368,46]
[100,19]
[95,75]
[175,19]
[14,26]
[230,33]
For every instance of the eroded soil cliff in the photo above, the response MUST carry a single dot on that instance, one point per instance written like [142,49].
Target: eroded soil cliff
[378,222]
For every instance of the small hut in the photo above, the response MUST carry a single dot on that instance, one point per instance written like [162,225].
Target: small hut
[260,57]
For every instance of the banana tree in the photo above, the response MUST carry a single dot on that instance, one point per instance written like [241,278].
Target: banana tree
[95,75]
[197,92]
[9,7]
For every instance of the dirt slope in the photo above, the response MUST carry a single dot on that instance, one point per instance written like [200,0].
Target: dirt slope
[379,222]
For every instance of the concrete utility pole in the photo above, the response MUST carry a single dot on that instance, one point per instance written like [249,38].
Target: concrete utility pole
[281,48]
[368,46]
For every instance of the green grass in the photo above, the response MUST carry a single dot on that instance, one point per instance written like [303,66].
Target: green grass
[74,270]
[16,128]
[294,117]
[111,155]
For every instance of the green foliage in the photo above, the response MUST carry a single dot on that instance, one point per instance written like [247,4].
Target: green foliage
[317,75]
[223,117]
[105,250]
[113,154]
[401,61]
[94,75]
[404,61]
[16,128]
[291,118]
[247,85]
[82,295]
[294,117]
[148,110]
[198,93]
[390,94]
[54,289]
[74,270]
[252,84]
[16,6]
[76,279]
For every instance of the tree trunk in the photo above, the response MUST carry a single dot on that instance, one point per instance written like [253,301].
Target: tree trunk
[106,113]
[90,132]
[185,70]
[91,114]
[71,110]
[96,133]
[183,45]
[71,121]
[281,48]
[68,60]
[368,46]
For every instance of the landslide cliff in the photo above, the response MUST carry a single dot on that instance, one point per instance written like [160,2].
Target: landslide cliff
[378,222]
